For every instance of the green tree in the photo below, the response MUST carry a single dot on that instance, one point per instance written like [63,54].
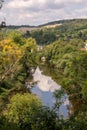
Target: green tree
[17,37]
[45,119]
[22,109]
[28,60]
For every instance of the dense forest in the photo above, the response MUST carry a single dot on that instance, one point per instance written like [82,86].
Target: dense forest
[60,45]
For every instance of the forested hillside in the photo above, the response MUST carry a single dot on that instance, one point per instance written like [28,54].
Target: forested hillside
[63,48]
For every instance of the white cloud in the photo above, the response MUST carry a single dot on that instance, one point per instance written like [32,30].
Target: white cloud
[45,83]
[41,3]
[20,4]
[34,12]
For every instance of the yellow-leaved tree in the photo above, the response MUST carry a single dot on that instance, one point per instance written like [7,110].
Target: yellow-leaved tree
[10,54]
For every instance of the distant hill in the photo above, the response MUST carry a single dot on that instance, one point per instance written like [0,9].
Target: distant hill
[53,24]
[63,30]
[19,26]
[63,21]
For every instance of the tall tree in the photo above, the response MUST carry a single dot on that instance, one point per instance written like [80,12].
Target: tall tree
[10,54]
[1,3]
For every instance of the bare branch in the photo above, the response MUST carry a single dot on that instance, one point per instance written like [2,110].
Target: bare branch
[1,3]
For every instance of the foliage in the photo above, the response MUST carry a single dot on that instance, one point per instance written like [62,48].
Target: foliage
[10,54]
[66,56]
[41,36]
[45,119]
[21,109]
[17,37]
[28,60]
[58,94]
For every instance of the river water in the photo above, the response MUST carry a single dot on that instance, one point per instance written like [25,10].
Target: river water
[44,87]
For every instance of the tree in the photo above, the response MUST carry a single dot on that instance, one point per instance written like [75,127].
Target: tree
[45,119]
[10,54]
[58,94]
[1,3]
[28,59]
[22,109]
[2,24]
[17,37]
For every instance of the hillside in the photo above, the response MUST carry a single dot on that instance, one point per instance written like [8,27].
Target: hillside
[65,29]
[56,23]
[59,49]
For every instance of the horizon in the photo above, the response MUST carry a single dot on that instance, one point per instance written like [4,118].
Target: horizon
[48,22]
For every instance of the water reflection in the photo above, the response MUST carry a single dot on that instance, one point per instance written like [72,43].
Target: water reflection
[44,89]
[45,83]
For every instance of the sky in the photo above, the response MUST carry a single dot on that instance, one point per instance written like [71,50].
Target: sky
[37,12]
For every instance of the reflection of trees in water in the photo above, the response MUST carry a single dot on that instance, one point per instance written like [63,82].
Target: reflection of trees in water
[75,101]
[49,71]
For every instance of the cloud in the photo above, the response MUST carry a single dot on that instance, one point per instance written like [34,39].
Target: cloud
[45,83]
[42,3]
[35,12]
[32,4]
[20,4]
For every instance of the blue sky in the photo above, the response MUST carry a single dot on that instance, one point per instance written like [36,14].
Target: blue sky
[36,12]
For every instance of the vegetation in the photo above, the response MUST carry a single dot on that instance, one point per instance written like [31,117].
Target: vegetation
[21,110]
[64,50]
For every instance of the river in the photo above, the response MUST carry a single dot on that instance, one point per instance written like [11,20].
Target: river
[44,86]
